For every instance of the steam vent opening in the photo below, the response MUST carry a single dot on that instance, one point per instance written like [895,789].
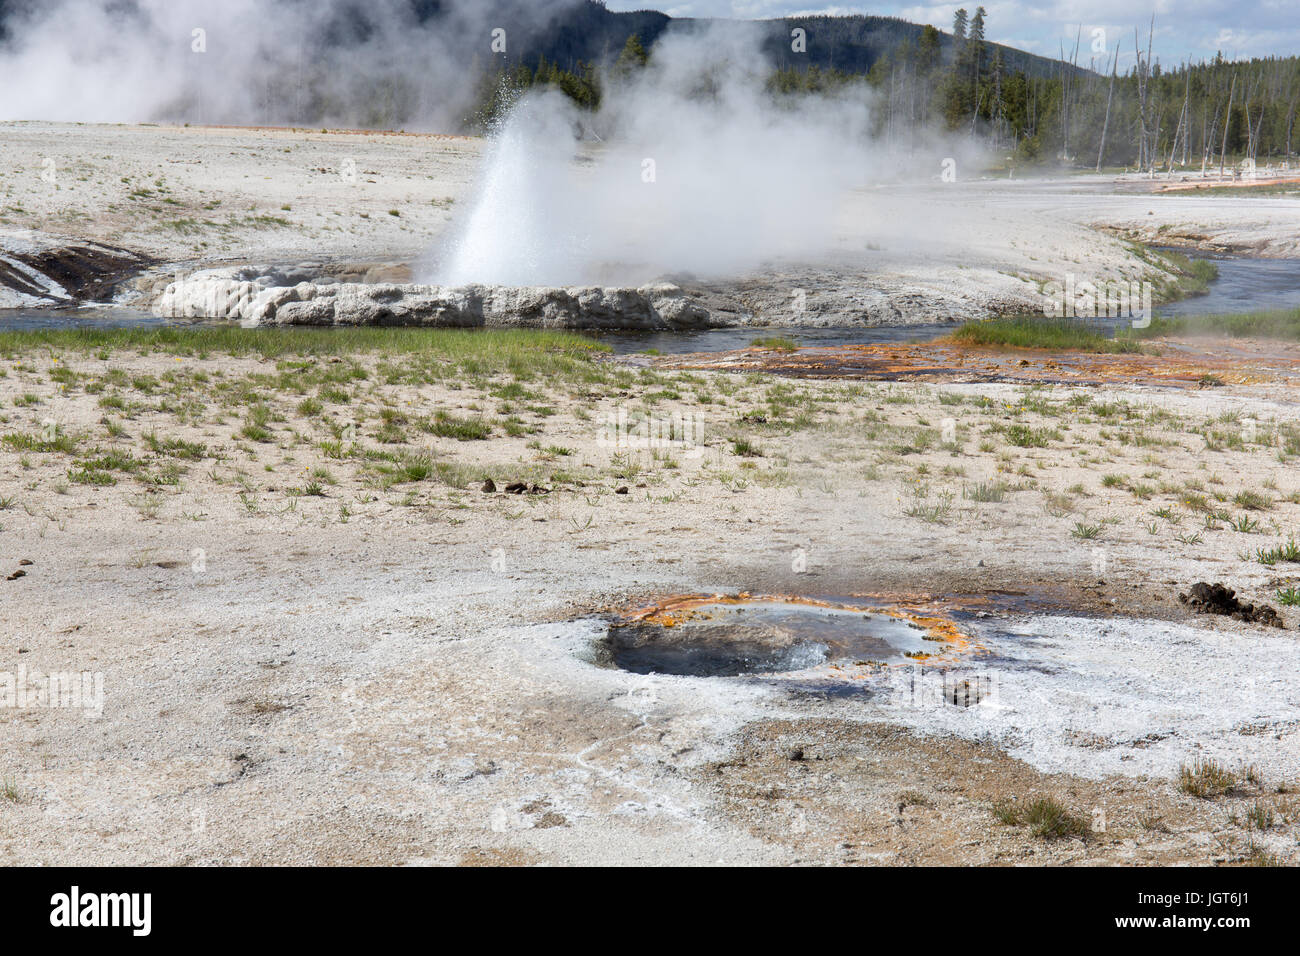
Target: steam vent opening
[732,637]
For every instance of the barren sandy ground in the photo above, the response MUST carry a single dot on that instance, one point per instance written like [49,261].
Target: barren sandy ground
[209,194]
[312,654]
[322,641]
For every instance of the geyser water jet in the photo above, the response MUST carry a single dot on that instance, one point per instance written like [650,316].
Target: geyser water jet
[521,231]
[697,171]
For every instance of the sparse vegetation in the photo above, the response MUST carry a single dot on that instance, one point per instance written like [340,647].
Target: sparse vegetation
[1206,779]
[1044,333]
[1046,817]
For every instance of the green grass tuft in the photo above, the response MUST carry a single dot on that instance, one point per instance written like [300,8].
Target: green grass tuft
[1034,332]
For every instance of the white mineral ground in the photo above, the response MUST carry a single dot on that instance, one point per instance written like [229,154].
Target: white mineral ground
[384,674]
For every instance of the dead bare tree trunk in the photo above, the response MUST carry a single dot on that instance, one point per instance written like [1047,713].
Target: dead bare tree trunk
[1110,94]
[1142,66]
[1068,81]
[1227,121]
[1154,152]
[1207,145]
[1290,124]
[1155,139]
[1182,118]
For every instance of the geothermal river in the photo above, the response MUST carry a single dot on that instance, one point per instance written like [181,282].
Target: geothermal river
[1243,285]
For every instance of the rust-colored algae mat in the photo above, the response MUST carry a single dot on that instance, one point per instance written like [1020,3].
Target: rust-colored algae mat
[1180,363]
[674,610]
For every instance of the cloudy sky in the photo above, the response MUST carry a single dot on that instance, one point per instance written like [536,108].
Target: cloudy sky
[1185,29]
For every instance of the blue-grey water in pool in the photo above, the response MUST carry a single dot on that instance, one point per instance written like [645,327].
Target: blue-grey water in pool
[1243,285]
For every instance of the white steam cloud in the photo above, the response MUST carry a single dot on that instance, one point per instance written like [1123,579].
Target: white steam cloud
[699,174]
[690,167]
[346,62]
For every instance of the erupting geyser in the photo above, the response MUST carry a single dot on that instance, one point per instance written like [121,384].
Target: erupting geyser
[522,230]
[687,168]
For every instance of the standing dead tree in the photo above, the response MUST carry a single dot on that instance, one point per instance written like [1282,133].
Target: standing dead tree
[1182,126]
[1227,121]
[1110,96]
[1069,80]
[1145,148]
[1290,126]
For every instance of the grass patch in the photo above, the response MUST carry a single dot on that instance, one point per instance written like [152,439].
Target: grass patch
[1288,597]
[1034,332]
[484,351]
[176,447]
[994,492]
[1252,501]
[1279,324]
[930,512]
[776,343]
[1206,779]
[1022,436]
[20,441]
[1046,817]
[1288,552]
[461,429]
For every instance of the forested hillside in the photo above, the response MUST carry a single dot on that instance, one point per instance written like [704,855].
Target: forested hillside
[1080,109]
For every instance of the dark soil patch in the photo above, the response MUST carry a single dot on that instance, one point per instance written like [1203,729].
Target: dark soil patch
[89,272]
[1217,599]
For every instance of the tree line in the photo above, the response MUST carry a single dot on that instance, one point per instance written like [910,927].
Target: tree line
[1199,115]
[1202,116]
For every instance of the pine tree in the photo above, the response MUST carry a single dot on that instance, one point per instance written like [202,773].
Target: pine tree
[975,41]
[928,50]
[959,27]
[633,57]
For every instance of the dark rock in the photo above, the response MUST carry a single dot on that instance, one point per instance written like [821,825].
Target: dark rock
[89,271]
[1217,599]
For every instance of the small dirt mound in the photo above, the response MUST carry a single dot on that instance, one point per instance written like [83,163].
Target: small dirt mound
[1217,599]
